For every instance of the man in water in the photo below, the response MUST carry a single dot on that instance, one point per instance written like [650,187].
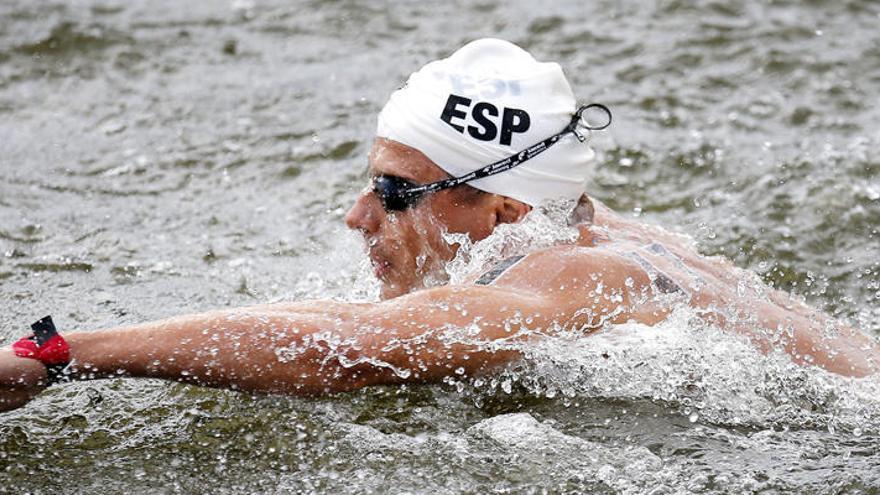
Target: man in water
[490,103]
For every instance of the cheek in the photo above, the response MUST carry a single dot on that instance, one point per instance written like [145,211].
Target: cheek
[473,220]
[426,229]
[407,233]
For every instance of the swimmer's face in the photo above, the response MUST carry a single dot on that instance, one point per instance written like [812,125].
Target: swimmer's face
[406,247]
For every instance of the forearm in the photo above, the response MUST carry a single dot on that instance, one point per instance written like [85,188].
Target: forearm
[251,350]
[319,347]
[818,340]
[834,346]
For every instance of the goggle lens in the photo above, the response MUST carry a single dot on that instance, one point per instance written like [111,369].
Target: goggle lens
[393,192]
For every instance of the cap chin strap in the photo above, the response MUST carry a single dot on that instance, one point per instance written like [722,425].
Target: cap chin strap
[48,347]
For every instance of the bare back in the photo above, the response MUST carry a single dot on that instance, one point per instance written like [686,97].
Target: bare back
[638,272]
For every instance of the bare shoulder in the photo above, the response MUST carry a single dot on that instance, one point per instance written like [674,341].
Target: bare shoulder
[570,268]
[591,286]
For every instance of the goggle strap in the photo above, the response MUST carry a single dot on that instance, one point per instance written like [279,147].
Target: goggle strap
[517,159]
[493,168]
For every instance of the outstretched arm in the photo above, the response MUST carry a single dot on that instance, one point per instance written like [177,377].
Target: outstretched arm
[306,348]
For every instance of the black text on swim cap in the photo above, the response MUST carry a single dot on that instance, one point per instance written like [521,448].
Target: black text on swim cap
[512,119]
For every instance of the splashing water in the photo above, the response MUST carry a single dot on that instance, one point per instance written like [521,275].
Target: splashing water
[706,373]
[542,227]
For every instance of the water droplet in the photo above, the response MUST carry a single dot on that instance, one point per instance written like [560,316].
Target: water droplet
[506,386]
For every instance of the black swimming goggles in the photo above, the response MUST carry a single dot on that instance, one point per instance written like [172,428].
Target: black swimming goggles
[398,194]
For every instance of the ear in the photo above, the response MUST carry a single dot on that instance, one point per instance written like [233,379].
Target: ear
[510,210]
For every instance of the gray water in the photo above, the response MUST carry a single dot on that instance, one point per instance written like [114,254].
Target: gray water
[162,157]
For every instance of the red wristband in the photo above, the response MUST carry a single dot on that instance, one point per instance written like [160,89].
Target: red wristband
[53,351]
[47,347]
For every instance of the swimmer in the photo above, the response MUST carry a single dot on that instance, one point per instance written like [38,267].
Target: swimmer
[469,143]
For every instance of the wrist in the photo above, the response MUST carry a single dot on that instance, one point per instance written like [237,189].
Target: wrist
[90,359]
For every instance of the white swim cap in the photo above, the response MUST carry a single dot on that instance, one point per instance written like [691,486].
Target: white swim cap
[488,100]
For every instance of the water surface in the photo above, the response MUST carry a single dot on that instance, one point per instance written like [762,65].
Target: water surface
[159,158]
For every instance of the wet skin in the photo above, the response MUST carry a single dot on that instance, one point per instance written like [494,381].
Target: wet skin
[407,248]
[714,285]
[284,348]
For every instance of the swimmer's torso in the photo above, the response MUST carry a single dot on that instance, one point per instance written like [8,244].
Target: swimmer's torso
[648,260]
[620,270]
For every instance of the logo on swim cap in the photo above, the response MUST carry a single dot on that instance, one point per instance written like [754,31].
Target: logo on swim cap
[489,88]
[512,119]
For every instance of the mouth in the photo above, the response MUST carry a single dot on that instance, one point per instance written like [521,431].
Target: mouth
[381,266]
[381,263]
[382,253]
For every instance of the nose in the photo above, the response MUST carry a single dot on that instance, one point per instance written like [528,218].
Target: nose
[365,214]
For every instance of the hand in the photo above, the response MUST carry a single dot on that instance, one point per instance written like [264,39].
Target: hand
[21,379]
